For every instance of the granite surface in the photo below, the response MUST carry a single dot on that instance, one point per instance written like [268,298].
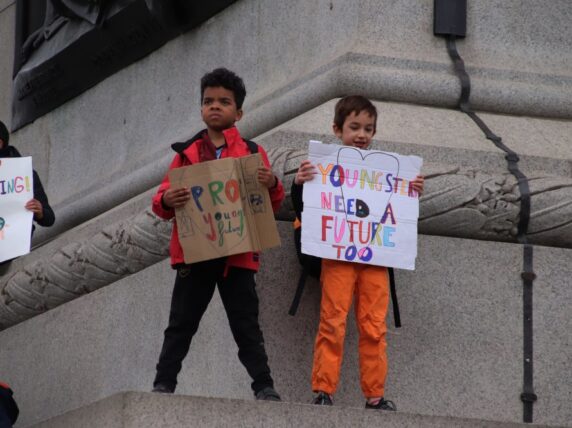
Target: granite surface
[111,143]
[461,339]
[459,352]
[135,409]
[7,31]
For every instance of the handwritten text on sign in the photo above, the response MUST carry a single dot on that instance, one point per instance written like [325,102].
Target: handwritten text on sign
[16,188]
[229,212]
[361,207]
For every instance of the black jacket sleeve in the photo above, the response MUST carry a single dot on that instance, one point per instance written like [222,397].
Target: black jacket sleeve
[8,405]
[39,194]
[296,193]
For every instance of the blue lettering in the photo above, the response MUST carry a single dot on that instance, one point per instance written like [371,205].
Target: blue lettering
[197,191]
[365,254]
[340,178]
[351,252]
[350,206]
[389,184]
[338,204]
[387,232]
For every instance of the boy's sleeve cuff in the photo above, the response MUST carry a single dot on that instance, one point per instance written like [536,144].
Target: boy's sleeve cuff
[275,183]
[165,207]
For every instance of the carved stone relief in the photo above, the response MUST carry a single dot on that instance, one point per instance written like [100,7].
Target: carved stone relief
[460,202]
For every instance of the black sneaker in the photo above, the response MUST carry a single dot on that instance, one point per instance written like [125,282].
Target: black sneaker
[163,389]
[268,394]
[382,405]
[323,399]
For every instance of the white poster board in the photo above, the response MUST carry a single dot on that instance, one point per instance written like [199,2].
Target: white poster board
[360,207]
[16,188]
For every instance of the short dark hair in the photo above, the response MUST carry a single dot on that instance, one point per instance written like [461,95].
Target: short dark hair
[221,77]
[353,104]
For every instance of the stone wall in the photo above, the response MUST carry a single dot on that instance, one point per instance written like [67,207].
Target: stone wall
[459,353]
[7,34]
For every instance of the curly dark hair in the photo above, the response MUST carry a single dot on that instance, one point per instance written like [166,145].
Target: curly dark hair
[222,77]
[353,104]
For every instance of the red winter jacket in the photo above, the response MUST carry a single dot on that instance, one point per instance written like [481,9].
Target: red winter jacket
[187,154]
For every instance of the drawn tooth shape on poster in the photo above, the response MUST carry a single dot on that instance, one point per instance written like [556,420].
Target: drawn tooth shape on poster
[375,208]
[361,206]
[16,189]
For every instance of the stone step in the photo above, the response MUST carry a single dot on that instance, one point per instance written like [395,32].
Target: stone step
[144,409]
[458,353]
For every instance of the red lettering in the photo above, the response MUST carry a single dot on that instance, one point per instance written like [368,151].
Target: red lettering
[325,220]
[209,220]
[339,248]
[352,223]
[232,190]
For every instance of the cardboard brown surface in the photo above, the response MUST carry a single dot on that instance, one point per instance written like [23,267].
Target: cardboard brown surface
[229,212]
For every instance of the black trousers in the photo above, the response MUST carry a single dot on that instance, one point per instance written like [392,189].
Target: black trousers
[194,288]
[8,408]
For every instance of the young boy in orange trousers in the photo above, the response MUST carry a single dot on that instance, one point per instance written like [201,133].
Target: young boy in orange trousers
[355,125]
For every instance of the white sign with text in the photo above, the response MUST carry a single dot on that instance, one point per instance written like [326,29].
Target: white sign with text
[16,188]
[361,207]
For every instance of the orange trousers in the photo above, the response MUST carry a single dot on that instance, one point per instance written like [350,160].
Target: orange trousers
[341,281]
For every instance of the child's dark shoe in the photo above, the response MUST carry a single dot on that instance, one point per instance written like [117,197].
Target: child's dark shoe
[382,405]
[268,394]
[323,399]
[163,389]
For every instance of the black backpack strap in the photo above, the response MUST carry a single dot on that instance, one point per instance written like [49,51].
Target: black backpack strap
[395,304]
[8,403]
[392,290]
[252,146]
[298,294]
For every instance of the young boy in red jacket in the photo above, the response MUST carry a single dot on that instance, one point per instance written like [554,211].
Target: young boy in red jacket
[355,121]
[222,95]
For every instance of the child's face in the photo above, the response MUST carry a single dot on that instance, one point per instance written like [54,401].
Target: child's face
[218,108]
[357,130]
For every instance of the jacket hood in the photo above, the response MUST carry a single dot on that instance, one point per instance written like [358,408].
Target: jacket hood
[231,136]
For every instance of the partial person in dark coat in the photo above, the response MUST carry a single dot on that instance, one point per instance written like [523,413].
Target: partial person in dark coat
[39,205]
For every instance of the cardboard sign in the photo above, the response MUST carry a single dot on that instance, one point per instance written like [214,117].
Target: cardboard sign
[229,212]
[16,188]
[360,207]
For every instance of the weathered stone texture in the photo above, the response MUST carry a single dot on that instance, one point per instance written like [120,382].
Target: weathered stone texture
[457,202]
[461,311]
[82,267]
